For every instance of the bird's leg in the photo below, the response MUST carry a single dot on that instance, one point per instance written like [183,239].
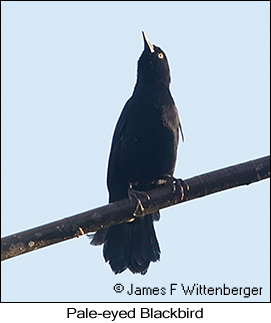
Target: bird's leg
[135,195]
[177,183]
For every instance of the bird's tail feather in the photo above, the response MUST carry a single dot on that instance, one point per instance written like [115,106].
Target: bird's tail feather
[132,245]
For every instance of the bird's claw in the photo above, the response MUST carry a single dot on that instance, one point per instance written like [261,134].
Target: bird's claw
[178,183]
[135,195]
[182,185]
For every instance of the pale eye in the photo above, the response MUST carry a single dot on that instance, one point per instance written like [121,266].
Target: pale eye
[160,55]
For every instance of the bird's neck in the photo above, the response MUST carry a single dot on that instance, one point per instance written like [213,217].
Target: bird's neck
[149,95]
[149,87]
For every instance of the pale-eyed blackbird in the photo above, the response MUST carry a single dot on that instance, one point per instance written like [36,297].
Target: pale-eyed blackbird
[143,151]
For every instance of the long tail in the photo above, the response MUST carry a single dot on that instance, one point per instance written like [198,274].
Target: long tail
[130,245]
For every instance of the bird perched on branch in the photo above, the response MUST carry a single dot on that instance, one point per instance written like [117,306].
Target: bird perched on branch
[143,155]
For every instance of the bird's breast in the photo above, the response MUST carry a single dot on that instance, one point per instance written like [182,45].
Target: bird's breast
[149,147]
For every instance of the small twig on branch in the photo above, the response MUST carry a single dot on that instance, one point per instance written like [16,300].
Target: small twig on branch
[122,211]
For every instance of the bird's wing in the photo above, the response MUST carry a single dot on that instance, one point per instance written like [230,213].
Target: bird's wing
[116,181]
[181,131]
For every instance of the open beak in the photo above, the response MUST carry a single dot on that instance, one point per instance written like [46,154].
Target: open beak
[147,43]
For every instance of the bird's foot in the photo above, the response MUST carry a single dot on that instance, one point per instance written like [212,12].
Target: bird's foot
[177,183]
[135,195]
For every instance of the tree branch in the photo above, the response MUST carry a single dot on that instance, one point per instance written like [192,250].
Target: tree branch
[122,211]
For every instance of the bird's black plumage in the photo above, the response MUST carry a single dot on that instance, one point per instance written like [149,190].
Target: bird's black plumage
[143,151]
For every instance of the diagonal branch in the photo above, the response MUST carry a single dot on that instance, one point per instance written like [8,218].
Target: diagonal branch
[121,211]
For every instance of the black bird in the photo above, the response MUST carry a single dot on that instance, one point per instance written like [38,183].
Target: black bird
[143,153]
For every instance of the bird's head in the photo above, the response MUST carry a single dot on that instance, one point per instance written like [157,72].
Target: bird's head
[153,65]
